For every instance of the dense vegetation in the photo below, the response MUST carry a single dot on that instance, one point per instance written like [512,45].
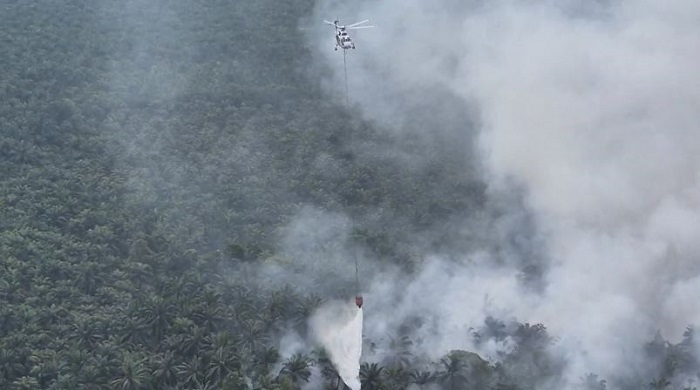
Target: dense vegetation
[150,153]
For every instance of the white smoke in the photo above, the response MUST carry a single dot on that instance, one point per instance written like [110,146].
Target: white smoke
[593,108]
[337,326]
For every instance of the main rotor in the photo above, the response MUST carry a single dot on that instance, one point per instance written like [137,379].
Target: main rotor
[354,26]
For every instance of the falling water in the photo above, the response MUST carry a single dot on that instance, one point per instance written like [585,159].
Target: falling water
[338,327]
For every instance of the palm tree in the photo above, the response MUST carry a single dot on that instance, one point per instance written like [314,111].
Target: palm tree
[264,359]
[134,374]
[140,273]
[189,372]
[193,340]
[371,376]
[210,313]
[422,377]
[254,336]
[159,315]
[133,330]
[221,364]
[453,375]
[85,332]
[25,383]
[220,340]
[396,378]
[265,382]
[400,351]
[75,356]
[50,365]
[234,382]
[166,369]
[280,303]
[303,309]
[89,277]
[532,337]
[106,359]
[297,368]
[493,329]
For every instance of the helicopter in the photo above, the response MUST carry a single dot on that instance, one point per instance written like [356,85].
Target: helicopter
[342,39]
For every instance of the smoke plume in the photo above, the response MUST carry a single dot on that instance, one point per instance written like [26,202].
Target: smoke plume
[591,108]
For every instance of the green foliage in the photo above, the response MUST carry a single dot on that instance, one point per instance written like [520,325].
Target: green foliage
[371,376]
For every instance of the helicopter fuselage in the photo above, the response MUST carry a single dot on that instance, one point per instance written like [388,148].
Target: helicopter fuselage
[343,40]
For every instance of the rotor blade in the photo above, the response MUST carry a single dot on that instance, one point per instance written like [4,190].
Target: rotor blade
[356,28]
[359,23]
[327,22]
